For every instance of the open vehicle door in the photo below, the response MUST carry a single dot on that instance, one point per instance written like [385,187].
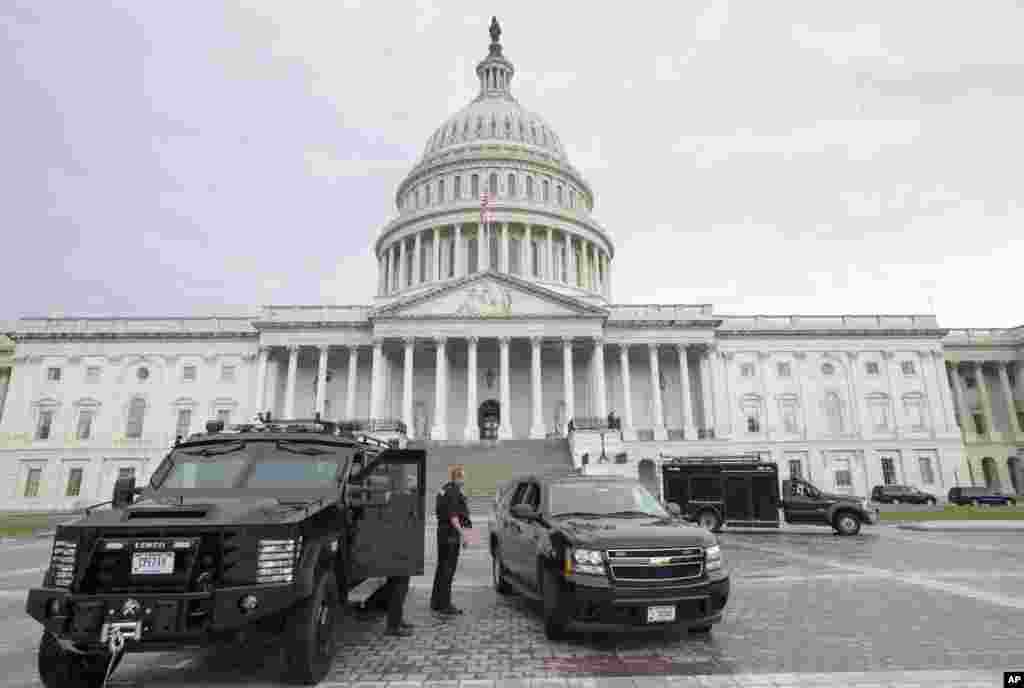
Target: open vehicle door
[388,501]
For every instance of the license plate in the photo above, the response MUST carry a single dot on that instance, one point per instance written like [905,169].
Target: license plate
[661,614]
[150,563]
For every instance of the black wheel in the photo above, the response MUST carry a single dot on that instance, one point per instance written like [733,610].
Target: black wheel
[501,586]
[846,523]
[310,641]
[555,624]
[709,519]
[706,628]
[60,668]
[933,501]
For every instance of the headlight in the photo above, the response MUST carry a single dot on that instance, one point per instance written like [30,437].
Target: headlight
[62,562]
[713,558]
[276,560]
[584,561]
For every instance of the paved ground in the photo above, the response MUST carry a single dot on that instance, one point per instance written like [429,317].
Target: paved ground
[890,608]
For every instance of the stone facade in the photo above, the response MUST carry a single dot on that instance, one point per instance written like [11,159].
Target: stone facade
[513,341]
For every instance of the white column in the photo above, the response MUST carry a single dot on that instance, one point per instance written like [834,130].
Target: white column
[289,394]
[504,253]
[707,392]
[887,358]
[392,286]
[689,424]
[657,411]
[567,379]
[1011,407]
[407,385]
[942,380]
[608,278]
[321,380]
[353,381]
[570,260]
[417,261]
[551,254]
[932,393]
[537,426]
[403,274]
[440,430]
[966,417]
[725,406]
[437,275]
[986,399]
[627,393]
[505,426]
[261,379]
[472,430]
[380,277]
[855,414]
[808,432]
[599,379]
[376,377]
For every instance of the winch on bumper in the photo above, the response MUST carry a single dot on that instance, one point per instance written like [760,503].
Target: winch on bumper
[155,619]
[594,601]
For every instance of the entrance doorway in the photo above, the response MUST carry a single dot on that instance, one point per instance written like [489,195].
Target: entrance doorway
[488,419]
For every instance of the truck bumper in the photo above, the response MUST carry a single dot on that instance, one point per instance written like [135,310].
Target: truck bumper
[159,620]
[693,605]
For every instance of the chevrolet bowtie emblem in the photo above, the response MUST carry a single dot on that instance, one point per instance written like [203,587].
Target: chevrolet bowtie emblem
[660,561]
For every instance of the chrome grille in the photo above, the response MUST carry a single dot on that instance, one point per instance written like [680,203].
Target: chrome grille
[654,565]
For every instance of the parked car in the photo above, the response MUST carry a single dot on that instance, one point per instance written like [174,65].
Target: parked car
[978,496]
[602,551]
[901,494]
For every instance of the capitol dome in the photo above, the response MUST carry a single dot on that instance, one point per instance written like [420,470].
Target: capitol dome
[539,225]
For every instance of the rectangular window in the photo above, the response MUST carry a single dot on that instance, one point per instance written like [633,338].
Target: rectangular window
[85,424]
[458,187]
[32,482]
[136,415]
[440,191]
[529,188]
[515,253]
[914,408]
[842,473]
[92,374]
[475,186]
[74,483]
[789,421]
[871,367]
[907,367]
[224,416]
[188,373]
[784,370]
[927,475]
[53,374]
[184,423]
[45,425]
[227,373]
[795,469]
[888,470]
[747,370]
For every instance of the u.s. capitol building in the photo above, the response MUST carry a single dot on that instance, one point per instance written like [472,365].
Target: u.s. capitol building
[506,330]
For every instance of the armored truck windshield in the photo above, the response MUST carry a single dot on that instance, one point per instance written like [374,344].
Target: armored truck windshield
[603,499]
[256,464]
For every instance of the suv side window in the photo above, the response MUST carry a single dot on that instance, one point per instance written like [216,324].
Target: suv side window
[517,494]
[533,496]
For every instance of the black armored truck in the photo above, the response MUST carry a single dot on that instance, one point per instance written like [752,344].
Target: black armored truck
[241,530]
[743,491]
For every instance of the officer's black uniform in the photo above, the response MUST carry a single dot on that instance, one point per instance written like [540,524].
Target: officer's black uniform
[450,502]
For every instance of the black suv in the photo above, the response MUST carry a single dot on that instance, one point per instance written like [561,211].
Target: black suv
[602,550]
[262,527]
[978,496]
[901,494]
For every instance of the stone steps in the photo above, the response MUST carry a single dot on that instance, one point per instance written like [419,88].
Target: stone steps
[489,463]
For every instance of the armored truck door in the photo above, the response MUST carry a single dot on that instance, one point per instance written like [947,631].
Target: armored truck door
[388,503]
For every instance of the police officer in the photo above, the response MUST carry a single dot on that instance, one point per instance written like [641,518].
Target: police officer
[452,518]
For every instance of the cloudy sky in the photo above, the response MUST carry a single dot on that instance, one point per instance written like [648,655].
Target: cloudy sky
[182,158]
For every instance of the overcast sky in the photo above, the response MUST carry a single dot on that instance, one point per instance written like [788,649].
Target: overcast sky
[180,158]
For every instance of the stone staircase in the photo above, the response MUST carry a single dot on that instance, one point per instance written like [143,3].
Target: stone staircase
[490,463]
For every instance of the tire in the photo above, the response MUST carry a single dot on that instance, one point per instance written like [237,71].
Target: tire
[846,523]
[706,628]
[501,585]
[59,668]
[555,624]
[932,502]
[709,520]
[310,640]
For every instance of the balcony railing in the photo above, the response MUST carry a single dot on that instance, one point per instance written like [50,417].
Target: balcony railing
[373,425]
[829,322]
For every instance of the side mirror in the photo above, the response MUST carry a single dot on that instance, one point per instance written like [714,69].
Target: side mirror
[674,509]
[124,493]
[525,512]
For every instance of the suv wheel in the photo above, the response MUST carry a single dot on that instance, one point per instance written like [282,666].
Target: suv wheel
[554,620]
[59,668]
[847,523]
[501,586]
[709,519]
[310,643]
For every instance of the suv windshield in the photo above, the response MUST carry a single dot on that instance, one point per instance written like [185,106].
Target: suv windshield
[604,499]
[255,464]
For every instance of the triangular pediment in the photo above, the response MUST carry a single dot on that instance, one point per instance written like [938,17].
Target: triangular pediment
[489,295]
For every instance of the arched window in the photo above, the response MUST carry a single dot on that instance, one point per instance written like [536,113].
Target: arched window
[458,188]
[494,128]
[511,186]
[474,186]
[136,416]
[492,184]
[547,191]
[834,412]
[428,194]
[529,188]
[440,191]
[559,194]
